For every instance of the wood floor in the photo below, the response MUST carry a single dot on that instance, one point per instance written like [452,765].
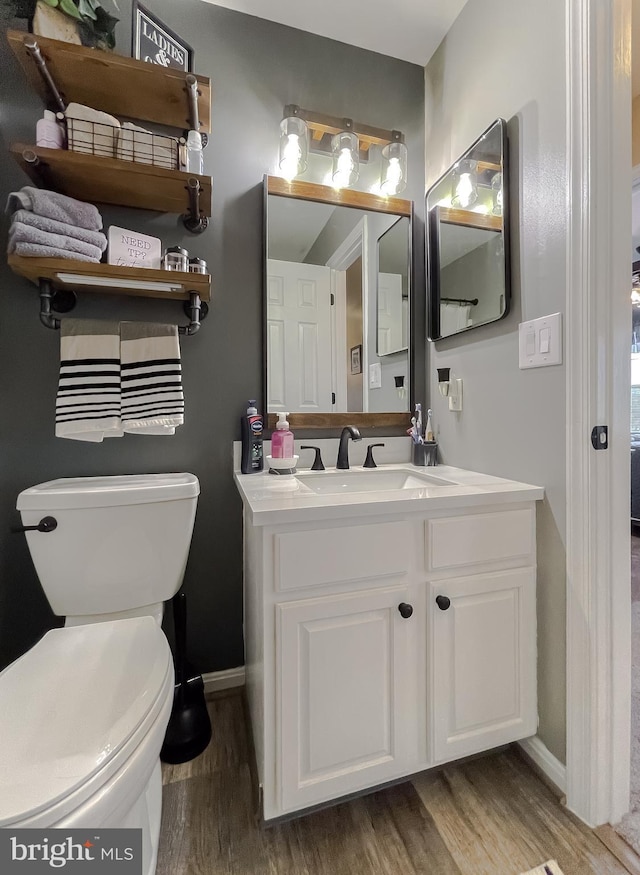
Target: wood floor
[490,816]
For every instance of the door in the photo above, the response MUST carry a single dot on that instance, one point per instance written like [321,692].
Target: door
[298,338]
[391,314]
[347,697]
[483,662]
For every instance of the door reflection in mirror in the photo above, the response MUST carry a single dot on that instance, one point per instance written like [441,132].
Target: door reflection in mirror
[322,299]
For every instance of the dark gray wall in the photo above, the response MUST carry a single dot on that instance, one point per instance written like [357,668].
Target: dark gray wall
[256,68]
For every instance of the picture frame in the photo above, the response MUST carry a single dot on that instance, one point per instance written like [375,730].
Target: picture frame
[152,41]
[356,359]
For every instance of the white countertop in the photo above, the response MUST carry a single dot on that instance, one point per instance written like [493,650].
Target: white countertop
[271,500]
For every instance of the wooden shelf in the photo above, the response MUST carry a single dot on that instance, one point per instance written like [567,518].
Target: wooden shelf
[311,191]
[111,181]
[35,269]
[114,84]
[454,216]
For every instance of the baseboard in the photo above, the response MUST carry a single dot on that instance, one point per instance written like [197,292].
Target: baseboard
[541,756]
[214,681]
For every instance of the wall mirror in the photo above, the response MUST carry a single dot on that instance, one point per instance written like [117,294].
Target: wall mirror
[468,238]
[337,306]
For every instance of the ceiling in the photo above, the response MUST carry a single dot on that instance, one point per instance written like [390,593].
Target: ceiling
[407,29]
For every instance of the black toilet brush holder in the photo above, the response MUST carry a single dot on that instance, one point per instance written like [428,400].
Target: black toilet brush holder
[189,729]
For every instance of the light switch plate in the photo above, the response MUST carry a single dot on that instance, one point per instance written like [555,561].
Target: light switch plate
[540,342]
[375,376]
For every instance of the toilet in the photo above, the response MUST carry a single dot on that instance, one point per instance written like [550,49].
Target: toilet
[86,709]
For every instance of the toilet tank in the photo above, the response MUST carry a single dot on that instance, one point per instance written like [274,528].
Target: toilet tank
[120,542]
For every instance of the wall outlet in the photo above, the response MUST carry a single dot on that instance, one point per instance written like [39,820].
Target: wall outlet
[455,395]
[375,376]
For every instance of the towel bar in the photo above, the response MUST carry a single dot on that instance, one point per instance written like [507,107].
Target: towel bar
[63,300]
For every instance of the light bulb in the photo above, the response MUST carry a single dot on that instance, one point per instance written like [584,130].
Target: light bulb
[293,147]
[291,154]
[346,161]
[343,171]
[393,178]
[465,184]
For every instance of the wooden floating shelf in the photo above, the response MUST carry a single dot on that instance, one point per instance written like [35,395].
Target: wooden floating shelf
[114,84]
[112,181]
[399,422]
[311,191]
[35,269]
[470,219]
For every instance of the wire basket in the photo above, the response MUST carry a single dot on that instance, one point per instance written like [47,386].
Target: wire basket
[127,143]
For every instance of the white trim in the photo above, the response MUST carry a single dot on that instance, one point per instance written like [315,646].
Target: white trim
[537,751]
[356,245]
[214,681]
[597,323]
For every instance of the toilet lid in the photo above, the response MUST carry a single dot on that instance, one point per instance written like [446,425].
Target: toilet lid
[71,703]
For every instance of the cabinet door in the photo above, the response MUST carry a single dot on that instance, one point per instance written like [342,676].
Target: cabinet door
[483,662]
[347,694]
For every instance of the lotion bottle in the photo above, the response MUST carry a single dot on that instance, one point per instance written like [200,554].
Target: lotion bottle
[49,134]
[252,460]
[282,439]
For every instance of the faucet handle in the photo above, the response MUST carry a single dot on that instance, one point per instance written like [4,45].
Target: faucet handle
[317,462]
[369,461]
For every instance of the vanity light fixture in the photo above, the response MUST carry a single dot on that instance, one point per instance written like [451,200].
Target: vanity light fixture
[346,160]
[393,178]
[347,142]
[464,184]
[294,147]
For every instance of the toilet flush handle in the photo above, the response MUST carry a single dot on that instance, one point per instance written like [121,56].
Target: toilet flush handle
[46,524]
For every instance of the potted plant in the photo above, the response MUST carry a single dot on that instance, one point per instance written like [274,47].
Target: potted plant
[85,22]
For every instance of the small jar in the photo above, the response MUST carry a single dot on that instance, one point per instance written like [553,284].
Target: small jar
[197,265]
[175,258]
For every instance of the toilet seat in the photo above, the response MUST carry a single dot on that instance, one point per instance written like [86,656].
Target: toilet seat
[82,701]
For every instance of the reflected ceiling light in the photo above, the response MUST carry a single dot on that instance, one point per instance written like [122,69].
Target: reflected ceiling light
[346,160]
[465,184]
[496,193]
[393,178]
[294,147]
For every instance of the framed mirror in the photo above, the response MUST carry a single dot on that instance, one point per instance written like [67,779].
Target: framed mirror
[468,238]
[337,306]
[392,292]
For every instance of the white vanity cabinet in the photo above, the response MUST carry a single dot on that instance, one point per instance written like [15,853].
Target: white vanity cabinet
[381,645]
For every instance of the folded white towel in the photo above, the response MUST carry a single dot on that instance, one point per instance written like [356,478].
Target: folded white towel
[91,131]
[88,400]
[152,397]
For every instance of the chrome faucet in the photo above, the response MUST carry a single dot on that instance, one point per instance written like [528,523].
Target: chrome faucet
[349,431]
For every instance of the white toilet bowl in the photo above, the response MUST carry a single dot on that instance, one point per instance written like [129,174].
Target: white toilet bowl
[81,739]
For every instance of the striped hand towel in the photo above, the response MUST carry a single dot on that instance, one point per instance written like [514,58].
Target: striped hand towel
[88,401]
[152,399]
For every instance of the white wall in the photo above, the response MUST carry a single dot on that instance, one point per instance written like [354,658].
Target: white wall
[507,58]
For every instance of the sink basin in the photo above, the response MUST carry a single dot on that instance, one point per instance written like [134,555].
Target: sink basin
[342,482]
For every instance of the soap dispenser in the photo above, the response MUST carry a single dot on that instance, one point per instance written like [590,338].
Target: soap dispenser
[282,439]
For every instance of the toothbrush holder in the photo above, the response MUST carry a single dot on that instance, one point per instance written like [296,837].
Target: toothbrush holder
[425,454]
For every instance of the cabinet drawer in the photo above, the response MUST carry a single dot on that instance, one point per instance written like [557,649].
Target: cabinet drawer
[339,555]
[453,542]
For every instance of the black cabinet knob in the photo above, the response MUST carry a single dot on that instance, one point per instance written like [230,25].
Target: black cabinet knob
[405,610]
[443,602]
